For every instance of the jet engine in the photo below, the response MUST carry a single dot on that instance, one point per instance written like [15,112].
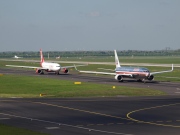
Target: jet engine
[65,70]
[150,78]
[119,78]
[39,71]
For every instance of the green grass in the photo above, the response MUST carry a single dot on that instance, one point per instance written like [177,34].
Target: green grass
[135,59]
[28,86]
[123,59]
[9,130]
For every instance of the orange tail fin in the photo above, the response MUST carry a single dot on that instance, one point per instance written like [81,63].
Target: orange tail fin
[42,58]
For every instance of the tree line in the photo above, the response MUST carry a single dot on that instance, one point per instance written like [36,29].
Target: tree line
[31,54]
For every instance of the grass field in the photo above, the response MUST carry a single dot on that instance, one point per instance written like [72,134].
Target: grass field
[123,59]
[28,86]
[9,130]
[135,59]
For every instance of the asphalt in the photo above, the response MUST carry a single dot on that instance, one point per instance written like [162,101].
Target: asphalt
[96,116]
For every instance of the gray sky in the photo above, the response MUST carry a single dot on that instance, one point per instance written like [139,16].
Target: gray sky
[68,25]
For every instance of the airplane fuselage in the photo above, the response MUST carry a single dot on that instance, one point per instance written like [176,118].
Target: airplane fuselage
[16,57]
[137,73]
[51,67]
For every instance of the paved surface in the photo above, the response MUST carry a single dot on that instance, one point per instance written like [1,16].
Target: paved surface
[96,116]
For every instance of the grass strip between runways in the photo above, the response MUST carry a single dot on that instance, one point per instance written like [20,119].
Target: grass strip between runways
[29,86]
[9,130]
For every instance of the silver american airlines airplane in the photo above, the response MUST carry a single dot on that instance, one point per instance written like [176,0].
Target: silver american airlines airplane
[138,73]
[47,66]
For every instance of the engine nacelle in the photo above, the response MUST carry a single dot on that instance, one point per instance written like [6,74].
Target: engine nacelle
[39,71]
[65,70]
[150,78]
[119,78]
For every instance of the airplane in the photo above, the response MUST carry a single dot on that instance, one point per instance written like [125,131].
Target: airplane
[138,73]
[16,57]
[58,57]
[47,66]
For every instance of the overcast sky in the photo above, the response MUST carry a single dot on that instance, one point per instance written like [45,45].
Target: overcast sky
[68,25]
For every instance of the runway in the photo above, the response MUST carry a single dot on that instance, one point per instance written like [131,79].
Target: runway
[96,116]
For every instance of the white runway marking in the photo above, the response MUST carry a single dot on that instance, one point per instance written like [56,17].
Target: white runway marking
[52,127]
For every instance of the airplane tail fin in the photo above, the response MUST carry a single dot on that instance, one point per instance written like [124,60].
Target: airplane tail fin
[41,55]
[116,59]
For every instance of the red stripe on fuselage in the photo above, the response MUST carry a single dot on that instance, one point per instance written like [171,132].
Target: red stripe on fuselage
[133,73]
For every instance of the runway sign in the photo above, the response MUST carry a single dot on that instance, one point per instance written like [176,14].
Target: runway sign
[77,82]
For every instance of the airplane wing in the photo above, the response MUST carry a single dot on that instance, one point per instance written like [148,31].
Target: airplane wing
[104,73]
[107,69]
[72,66]
[94,72]
[25,67]
[152,73]
[40,67]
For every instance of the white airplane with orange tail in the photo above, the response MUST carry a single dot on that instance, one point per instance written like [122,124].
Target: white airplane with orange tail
[47,66]
[16,57]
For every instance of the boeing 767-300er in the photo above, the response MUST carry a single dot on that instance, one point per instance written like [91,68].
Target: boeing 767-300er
[47,66]
[138,73]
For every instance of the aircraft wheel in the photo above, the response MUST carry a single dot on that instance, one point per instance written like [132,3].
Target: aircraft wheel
[121,80]
[139,80]
[42,73]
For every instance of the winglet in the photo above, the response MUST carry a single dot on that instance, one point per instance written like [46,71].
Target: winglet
[75,67]
[163,71]
[116,59]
